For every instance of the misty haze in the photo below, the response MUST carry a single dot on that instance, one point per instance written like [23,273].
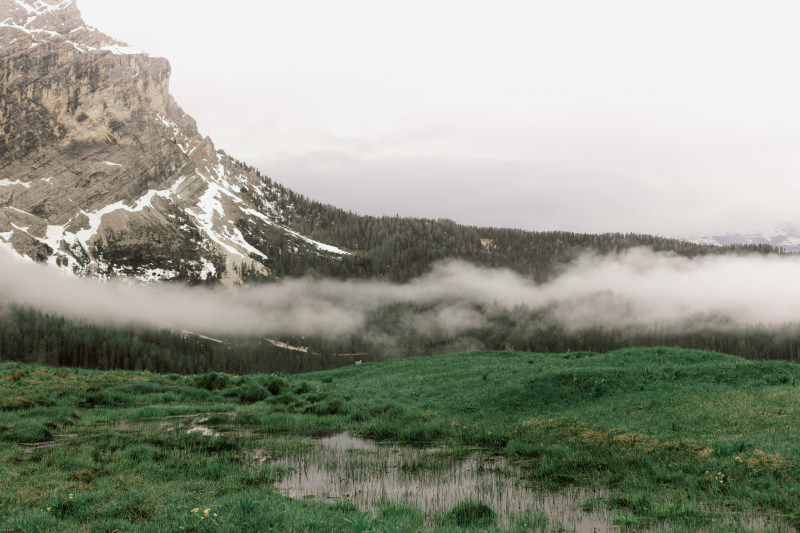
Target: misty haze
[635,288]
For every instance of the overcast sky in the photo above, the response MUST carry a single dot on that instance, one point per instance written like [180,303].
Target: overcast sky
[672,117]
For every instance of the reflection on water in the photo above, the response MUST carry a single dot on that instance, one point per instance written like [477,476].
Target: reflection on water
[344,442]
[366,474]
[346,467]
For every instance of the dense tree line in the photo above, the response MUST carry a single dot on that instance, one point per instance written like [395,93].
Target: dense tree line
[537,331]
[393,331]
[28,335]
[399,249]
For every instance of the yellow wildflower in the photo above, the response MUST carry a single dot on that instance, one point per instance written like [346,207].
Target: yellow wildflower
[195,509]
[206,512]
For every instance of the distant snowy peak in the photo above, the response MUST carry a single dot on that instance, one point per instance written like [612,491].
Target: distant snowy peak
[26,24]
[785,236]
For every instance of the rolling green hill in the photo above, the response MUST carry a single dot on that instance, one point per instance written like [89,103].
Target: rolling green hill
[667,439]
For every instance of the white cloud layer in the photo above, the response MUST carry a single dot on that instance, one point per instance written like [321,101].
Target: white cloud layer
[672,118]
[638,287]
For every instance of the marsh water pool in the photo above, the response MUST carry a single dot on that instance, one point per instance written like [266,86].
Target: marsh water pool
[434,480]
[344,467]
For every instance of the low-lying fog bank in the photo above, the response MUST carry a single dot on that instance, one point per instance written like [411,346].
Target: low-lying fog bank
[628,290]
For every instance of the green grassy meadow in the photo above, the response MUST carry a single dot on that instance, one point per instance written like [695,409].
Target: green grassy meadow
[672,439]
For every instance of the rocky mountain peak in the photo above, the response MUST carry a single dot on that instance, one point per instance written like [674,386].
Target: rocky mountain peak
[29,23]
[102,173]
[60,16]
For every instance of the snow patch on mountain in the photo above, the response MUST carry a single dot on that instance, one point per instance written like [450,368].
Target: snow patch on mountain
[120,50]
[41,21]
[40,7]
[9,183]
[180,139]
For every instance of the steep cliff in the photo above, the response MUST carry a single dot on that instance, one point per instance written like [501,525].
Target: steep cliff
[102,173]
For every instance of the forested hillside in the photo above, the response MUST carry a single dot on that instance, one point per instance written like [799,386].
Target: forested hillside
[398,248]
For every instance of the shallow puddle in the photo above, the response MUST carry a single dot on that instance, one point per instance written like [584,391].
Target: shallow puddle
[366,474]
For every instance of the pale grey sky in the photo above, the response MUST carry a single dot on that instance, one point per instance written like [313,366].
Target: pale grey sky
[665,117]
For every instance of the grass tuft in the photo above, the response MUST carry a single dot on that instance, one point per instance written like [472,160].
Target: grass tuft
[472,514]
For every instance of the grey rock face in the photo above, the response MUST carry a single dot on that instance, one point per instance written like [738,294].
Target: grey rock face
[102,173]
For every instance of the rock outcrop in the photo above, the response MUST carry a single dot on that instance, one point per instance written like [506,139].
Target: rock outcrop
[102,173]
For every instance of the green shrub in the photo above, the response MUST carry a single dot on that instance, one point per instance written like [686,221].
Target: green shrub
[24,432]
[313,397]
[328,407]
[253,393]
[421,432]
[304,387]
[472,514]
[212,381]
[275,385]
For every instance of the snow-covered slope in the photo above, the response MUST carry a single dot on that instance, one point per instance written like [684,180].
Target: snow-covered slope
[102,173]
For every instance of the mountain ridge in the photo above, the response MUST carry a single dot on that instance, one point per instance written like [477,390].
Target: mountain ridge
[103,174]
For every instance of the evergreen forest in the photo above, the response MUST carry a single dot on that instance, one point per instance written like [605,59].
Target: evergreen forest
[400,248]
[30,336]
